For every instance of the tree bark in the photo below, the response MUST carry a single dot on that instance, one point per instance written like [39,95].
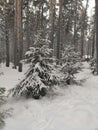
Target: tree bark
[27,27]
[59,30]
[75,24]
[15,37]
[52,17]
[83,30]
[19,33]
[96,14]
[93,44]
[7,48]
[7,39]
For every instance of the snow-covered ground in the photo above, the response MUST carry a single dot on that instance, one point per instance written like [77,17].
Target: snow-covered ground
[71,108]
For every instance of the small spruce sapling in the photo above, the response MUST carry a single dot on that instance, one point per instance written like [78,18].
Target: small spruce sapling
[71,63]
[41,74]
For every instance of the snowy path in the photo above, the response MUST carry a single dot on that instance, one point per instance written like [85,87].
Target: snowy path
[74,108]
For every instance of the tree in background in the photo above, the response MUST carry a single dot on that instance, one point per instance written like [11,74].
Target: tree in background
[83,27]
[62,22]
[18,46]
[52,21]
[6,25]
[96,15]
[59,30]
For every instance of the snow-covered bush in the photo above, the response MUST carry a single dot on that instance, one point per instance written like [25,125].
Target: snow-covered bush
[2,90]
[71,61]
[86,58]
[41,74]
[93,65]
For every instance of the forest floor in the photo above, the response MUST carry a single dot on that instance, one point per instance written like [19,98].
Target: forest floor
[71,108]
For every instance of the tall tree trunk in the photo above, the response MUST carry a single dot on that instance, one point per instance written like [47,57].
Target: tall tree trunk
[7,47]
[38,20]
[75,24]
[93,44]
[7,39]
[83,30]
[82,43]
[59,30]
[19,33]
[42,22]
[93,40]
[15,36]
[42,11]
[96,13]
[27,27]
[52,17]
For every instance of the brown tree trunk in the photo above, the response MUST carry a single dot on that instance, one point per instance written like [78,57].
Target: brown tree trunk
[59,30]
[15,37]
[93,40]
[27,27]
[19,33]
[7,48]
[41,21]
[38,20]
[52,17]
[42,11]
[96,13]
[82,43]
[7,39]
[75,24]
[93,45]
[83,29]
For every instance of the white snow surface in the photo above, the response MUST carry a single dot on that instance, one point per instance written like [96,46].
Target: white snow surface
[70,108]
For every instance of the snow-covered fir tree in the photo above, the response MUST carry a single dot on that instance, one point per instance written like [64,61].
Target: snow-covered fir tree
[93,65]
[2,100]
[41,75]
[71,63]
